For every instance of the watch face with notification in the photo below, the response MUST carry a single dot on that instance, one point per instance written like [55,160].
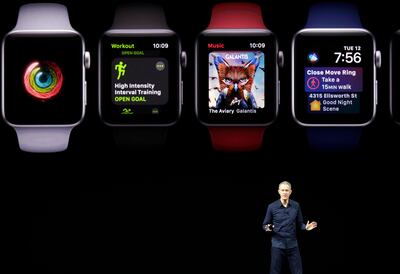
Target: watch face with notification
[43,78]
[139,77]
[333,77]
[236,77]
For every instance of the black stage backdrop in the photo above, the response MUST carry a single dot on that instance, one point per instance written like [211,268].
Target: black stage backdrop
[188,209]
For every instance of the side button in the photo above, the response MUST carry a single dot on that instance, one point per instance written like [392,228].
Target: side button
[181,92]
[281,59]
[87,59]
[183,59]
[376,92]
[279,92]
[378,59]
[85,94]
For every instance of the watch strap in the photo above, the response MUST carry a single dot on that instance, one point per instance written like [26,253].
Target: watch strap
[237,138]
[43,16]
[43,139]
[236,16]
[334,138]
[139,16]
[140,138]
[333,15]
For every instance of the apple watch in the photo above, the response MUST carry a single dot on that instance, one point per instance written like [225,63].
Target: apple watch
[43,78]
[237,88]
[394,79]
[334,87]
[140,85]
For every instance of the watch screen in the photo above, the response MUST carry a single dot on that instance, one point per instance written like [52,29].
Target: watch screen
[394,76]
[334,78]
[139,76]
[43,78]
[236,77]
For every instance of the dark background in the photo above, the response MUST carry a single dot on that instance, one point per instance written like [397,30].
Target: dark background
[188,209]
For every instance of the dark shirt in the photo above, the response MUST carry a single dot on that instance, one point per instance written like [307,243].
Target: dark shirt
[285,220]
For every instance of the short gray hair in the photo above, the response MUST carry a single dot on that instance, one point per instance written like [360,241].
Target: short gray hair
[285,183]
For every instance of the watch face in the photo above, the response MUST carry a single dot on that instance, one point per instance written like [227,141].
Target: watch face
[236,77]
[43,78]
[394,76]
[139,78]
[333,77]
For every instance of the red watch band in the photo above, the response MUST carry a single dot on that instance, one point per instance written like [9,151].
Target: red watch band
[236,138]
[236,16]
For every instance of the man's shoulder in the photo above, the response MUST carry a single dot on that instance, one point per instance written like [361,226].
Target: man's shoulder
[294,203]
[275,203]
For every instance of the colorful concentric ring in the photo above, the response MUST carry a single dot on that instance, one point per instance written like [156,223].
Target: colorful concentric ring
[43,80]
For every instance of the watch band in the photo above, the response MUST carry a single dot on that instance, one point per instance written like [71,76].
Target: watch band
[140,138]
[236,16]
[140,16]
[43,16]
[43,139]
[334,15]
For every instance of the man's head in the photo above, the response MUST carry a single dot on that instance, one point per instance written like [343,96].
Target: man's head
[284,190]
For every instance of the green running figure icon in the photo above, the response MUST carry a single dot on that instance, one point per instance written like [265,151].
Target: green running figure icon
[121,66]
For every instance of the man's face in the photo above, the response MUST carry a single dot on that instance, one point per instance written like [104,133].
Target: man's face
[284,191]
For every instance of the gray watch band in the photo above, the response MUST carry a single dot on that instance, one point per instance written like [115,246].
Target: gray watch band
[43,16]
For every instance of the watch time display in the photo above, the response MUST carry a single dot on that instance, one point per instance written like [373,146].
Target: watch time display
[139,78]
[43,78]
[236,77]
[334,77]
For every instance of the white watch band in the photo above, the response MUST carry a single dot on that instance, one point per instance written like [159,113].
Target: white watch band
[43,16]
[43,139]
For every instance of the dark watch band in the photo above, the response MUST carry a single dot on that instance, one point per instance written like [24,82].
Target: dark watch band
[140,138]
[139,16]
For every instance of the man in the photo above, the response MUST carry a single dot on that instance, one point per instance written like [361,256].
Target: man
[282,218]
